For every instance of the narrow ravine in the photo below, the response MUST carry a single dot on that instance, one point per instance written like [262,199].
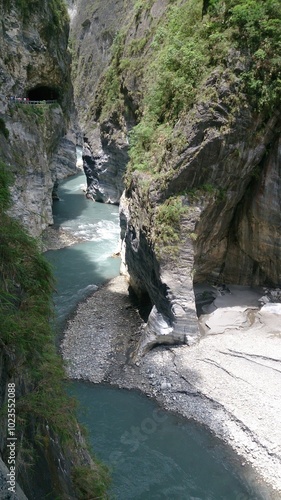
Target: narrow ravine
[80,268]
[153,454]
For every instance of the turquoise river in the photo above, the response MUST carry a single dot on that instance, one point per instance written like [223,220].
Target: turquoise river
[152,454]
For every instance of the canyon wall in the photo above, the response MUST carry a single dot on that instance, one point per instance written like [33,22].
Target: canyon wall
[37,148]
[94,26]
[188,87]
[37,142]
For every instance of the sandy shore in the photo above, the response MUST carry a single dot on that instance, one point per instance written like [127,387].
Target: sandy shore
[230,381]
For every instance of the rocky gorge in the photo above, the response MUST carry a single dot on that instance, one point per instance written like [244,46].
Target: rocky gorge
[200,208]
[229,381]
[176,106]
[38,138]
[209,176]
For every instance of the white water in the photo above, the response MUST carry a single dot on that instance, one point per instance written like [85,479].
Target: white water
[80,268]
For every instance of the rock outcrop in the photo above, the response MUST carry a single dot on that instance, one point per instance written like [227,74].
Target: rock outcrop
[218,154]
[93,29]
[34,143]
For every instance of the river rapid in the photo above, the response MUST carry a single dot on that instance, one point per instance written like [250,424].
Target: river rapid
[152,453]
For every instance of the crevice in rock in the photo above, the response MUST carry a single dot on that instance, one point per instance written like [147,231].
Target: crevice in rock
[142,303]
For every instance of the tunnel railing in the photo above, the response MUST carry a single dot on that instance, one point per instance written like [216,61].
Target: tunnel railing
[18,100]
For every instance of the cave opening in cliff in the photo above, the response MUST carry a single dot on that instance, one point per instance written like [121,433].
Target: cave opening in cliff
[43,93]
[142,302]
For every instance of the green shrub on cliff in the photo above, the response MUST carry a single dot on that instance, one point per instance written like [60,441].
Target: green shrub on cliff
[27,343]
[26,287]
[110,98]
[180,62]
[3,129]
[167,226]
[255,28]
[187,48]
[57,8]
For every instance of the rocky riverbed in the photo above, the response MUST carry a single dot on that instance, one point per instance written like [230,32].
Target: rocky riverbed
[230,381]
[56,238]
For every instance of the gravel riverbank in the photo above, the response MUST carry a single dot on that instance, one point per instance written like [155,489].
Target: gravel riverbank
[230,381]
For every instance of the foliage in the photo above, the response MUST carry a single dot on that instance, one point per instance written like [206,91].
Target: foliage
[186,48]
[255,28]
[26,288]
[167,220]
[57,8]
[179,63]
[5,181]
[141,5]
[91,485]
[36,111]
[110,98]
[59,12]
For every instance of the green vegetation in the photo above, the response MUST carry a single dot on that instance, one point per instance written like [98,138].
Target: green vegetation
[59,12]
[27,337]
[36,111]
[256,31]
[26,287]
[167,225]
[171,62]
[91,484]
[187,48]
[27,7]
[110,98]
[180,60]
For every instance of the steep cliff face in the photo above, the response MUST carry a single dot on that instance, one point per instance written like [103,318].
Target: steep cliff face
[34,140]
[37,147]
[94,26]
[199,84]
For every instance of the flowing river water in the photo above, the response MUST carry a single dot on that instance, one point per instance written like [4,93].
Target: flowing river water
[152,454]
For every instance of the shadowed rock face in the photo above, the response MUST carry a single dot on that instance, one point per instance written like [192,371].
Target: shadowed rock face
[256,244]
[105,171]
[169,283]
[93,28]
[238,234]
[228,173]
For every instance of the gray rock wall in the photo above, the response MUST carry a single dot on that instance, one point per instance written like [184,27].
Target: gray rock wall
[36,146]
[94,26]
[227,171]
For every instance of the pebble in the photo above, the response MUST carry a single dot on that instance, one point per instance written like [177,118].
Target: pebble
[212,397]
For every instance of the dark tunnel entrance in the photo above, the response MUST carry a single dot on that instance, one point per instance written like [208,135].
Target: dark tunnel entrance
[43,93]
